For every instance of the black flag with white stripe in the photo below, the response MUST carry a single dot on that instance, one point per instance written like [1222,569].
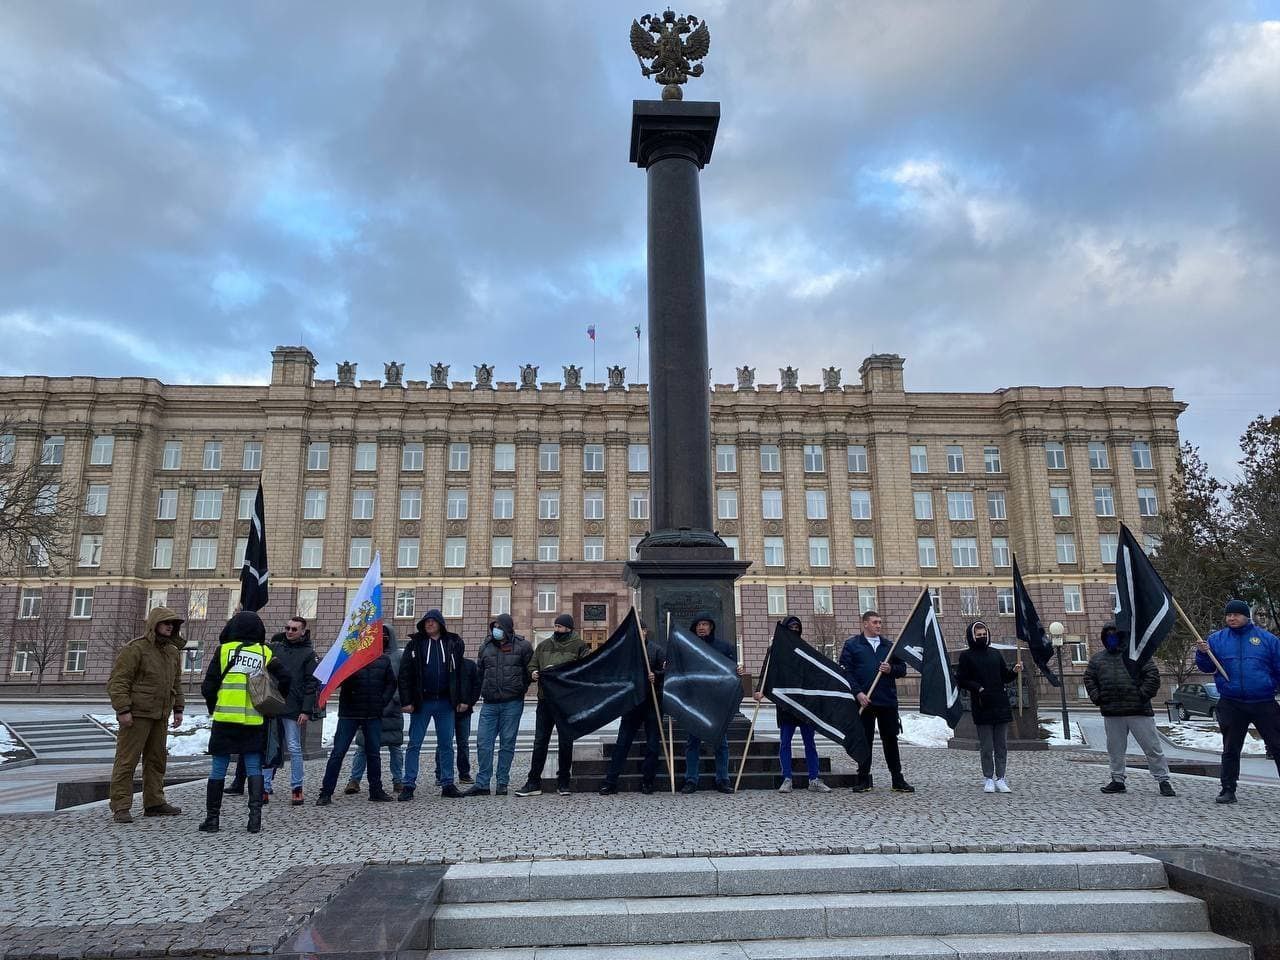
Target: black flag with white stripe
[800,679]
[702,689]
[1027,625]
[254,574]
[1144,606]
[922,647]
[586,694]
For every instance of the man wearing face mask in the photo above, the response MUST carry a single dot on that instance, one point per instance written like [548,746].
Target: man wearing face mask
[983,672]
[563,646]
[505,675]
[1122,691]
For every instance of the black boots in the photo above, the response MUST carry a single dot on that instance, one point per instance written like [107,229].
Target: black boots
[212,805]
[861,782]
[255,803]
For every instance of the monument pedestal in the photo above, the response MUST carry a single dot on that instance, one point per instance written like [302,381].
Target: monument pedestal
[1024,730]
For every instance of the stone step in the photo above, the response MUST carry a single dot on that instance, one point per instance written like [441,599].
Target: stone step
[849,873]
[1083,946]
[838,915]
[630,782]
[764,764]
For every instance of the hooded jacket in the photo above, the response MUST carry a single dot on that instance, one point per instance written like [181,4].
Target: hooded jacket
[861,663]
[146,679]
[783,714]
[726,650]
[504,667]
[431,669]
[983,672]
[1251,657]
[370,691]
[557,649]
[1115,688]
[228,738]
[299,658]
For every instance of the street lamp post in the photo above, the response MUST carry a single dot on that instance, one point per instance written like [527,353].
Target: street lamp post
[1056,630]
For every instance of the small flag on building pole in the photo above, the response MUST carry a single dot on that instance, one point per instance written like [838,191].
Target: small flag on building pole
[591,334]
[253,573]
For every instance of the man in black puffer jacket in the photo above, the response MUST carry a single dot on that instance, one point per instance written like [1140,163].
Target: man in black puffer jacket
[504,665]
[362,699]
[1123,691]
[430,678]
[294,650]
[984,673]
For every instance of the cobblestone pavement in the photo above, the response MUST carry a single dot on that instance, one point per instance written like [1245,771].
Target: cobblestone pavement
[160,876]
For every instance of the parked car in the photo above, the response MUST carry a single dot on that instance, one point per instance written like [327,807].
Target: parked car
[1196,699]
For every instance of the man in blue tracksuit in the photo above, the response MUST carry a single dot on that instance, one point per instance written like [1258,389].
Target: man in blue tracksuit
[1251,658]
[864,656]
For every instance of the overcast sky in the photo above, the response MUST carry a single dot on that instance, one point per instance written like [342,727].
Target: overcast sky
[1003,193]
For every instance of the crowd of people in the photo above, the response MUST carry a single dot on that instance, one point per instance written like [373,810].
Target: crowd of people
[434,683]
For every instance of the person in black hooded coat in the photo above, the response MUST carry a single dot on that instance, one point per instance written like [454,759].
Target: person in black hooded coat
[392,730]
[362,700]
[788,723]
[984,673]
[704,628]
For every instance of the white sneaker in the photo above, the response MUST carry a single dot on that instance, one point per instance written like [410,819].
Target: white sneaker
[786,786]
[989,786]
[817,786]
[1002,787]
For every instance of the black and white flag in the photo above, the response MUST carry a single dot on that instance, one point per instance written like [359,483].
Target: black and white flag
[922,647]
[586,694]
[800,679]
[254,574]
[702,688]
[1144,606]
[1029,629]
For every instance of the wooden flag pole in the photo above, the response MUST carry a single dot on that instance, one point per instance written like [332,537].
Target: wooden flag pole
[892,647]
[1198,635]
[671,727]
[657,711]
[742,765]
[1018,647]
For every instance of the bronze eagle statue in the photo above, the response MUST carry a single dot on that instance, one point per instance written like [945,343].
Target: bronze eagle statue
[671,56]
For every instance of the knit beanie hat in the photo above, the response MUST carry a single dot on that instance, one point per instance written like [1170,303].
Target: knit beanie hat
[565,620]
[1236,606]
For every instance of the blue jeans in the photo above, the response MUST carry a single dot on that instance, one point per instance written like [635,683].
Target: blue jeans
[293,743]
[788,731]
[342,738]
[497,720]
[218,769]
[441,713]
[692,749]
[358,763]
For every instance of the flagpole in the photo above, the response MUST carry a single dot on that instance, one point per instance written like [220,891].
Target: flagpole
[671,727]
[742,765]
[1197,634]
[657,712]
[892,647]
[1018,650]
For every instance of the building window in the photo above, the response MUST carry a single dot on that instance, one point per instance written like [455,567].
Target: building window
[406,603]
[203,554]
[312,553]
[955,458]
[172,457]
[638,457]
[1060,501]
[771,504]
[95,499]
[37,555]
[927,551]
[864,552]
[500,552]
[995,505]
[29,605]
[241,548]
[1104,502]
[23,656]
[593,505]
[407,553]
[1072,600]
[212,455]
[207,505]
[316,504]
[777,600]
[633,548]
[1004,601]
[857,458]
[1114,595]
[504,504]
[638,505]
[251,456]
[456,503]
[411,457]
[991,460]
[969,602]
[90,550]
[451,602]
[770,458]
[1151,544]
[162,553]
[935,597]
[1141,455]
[819,552]
[960,504]
[167,505]
[504,457]
[549,457]
[366,457]
[1000,552]
[103,450]
[964,552]
[548,549]
[318,455]
[860,504]
[51,450]
[410,503]
[8,444]
[245,504]
[726,458]
[1108,545]
[923,501]
[866,599]
[1147,502]
[499,600]
[1065,543]
[774,552]
[822,601]
[547,599]
[455,552]
[548,504]
[593,549]
[459,456]
[1079,654]
[1099,459]
[593,458]
[308,600]
[361,504]
[77,656]
[732,544]
[814,458]
[727,504]
[46,502]
[815,504]
[919,458]
[360,555]
[1055,456]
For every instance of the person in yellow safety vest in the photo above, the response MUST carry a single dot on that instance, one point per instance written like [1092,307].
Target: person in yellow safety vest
[237,726]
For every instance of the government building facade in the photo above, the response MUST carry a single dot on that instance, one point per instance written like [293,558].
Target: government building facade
[528,497]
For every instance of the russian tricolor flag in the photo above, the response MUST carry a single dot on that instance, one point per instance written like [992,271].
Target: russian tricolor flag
[359,641]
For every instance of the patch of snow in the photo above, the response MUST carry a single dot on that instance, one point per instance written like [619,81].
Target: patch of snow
[925,731]
[1056,739]
[1205,735]
[10,748]
[188,739]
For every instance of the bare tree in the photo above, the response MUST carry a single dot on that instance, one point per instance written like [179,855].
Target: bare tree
[1255,499]
[825,635]
[44,641]
[37,513]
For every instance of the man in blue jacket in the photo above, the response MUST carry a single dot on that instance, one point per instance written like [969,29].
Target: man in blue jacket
[1251,658]
[863,657]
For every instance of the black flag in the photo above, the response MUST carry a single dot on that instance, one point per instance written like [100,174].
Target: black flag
[922,647]
[586,694]
[1029,628]
[1144,606]
[800,679]
[702,688]
[254,574]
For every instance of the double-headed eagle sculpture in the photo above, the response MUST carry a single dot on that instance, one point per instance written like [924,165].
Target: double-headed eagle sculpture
[671,56]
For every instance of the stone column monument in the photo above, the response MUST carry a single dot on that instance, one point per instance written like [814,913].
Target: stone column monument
[683,567]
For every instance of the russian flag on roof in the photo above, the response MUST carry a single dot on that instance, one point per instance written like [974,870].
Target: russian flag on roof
[359,641]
